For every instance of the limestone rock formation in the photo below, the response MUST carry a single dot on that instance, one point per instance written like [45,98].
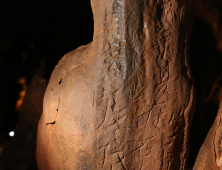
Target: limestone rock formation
[20,154]
[126,100]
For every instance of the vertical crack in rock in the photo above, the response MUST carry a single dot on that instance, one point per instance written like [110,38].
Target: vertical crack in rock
[60,81]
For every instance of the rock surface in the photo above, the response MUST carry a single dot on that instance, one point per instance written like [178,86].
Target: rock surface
[126,100]
[20,154]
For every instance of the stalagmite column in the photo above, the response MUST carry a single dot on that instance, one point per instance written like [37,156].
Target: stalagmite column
[126,100]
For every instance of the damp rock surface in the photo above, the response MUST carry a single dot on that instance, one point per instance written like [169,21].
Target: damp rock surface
[126,100]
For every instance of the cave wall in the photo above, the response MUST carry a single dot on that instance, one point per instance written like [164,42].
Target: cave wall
[126,100]
[27,39]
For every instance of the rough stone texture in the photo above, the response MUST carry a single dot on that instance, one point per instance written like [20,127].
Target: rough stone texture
[126,100]
[210,156]
[20,154]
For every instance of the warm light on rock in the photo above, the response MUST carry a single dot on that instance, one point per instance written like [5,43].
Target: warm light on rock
[126,100]
[19,102]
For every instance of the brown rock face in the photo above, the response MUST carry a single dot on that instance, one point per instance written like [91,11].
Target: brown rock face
[126,100]
[20,154]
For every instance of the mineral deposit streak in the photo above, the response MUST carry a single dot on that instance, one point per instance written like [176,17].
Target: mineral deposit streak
[125,100]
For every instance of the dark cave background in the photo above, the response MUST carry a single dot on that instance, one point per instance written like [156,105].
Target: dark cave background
[35,34]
